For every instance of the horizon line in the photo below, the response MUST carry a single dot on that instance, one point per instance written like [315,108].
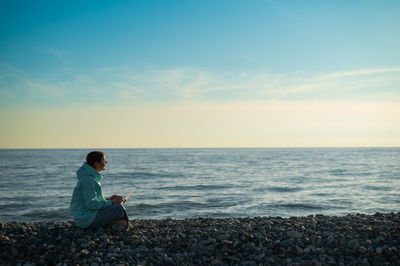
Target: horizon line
[191,148]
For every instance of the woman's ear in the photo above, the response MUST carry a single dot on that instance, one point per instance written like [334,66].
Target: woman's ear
[96,166]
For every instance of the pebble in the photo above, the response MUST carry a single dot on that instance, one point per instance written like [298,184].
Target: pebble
[294,234]
[330,239]
[353,244]
[313,240]
[260,256]
[286,243]
[362,249]
[379,250]
[85,252]
[299,250]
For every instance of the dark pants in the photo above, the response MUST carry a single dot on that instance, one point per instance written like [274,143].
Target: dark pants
[109,215]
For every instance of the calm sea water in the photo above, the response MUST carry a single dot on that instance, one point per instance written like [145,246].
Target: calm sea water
[184,183]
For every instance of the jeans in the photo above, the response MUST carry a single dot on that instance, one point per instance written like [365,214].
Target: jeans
[109,215]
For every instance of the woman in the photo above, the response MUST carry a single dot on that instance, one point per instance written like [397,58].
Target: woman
[88,206]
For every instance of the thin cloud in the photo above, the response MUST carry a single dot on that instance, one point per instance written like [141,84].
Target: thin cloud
[48,89]
[200,84]
[192,84]
[363,72]
[55,52]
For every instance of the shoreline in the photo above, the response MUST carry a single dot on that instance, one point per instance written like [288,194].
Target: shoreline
[359,239]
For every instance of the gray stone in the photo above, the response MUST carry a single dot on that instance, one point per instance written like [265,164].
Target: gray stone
[353,244]
[215,262]
[14,252]
[208,242]
[286,243]
[80,240]
[299,250]
[226,242]
[234,258]
[4,239]
[362,249]
[157,249]
[166,259]
[330,239]
[294,234]
[379,250]
[259,256]
[317,250]
[84,252]
[222,237]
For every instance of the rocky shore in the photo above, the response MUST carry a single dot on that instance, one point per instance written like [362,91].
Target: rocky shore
[313,240]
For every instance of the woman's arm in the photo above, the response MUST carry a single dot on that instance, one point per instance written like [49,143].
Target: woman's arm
[90,195]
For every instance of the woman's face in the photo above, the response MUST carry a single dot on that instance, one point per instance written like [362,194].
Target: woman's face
[101,166]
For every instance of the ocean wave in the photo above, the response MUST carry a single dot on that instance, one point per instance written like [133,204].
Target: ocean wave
[339,172]
[303,206]
[377,187]
[193,187]
[180,205]
[47,215]
[224,202]
[282,189]
[159,210]
[187,205]
[146,175]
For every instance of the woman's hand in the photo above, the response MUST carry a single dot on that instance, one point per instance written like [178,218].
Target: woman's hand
[111,197]
[116,199]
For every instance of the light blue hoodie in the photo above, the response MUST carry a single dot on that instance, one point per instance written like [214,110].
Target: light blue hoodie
[87,197]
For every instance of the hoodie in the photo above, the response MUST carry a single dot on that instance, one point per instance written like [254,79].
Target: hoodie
[87,197]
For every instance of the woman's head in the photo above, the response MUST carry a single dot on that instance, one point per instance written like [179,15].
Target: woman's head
[97,160]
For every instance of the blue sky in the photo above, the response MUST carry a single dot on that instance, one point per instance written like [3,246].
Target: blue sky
[71,54]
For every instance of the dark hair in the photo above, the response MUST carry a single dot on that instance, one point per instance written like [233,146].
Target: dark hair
[93,157]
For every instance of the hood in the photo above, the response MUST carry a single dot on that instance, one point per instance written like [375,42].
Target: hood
[87,170]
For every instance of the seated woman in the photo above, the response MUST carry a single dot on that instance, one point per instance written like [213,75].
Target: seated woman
[88,206]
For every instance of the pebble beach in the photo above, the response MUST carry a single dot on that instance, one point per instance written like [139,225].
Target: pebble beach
[313,240]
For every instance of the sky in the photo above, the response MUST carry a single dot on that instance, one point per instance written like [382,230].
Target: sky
[198,74]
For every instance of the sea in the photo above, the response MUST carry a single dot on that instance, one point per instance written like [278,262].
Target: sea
[37,184]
